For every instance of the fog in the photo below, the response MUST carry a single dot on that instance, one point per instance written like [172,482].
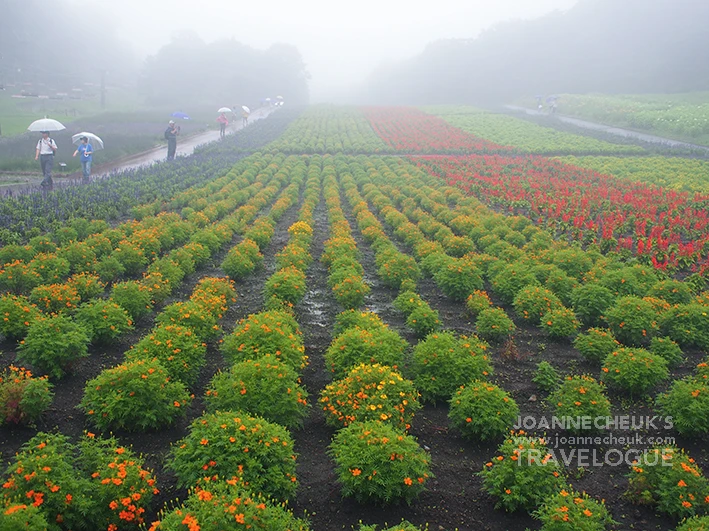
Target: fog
[340,45]
[179,53]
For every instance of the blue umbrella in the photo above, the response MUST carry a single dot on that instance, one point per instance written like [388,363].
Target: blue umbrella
[180,115]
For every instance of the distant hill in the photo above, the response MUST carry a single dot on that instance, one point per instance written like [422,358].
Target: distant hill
[613,46]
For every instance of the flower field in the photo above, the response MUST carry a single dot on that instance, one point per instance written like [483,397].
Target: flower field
[689,175]
[527,137]
[334,319]
[679,116]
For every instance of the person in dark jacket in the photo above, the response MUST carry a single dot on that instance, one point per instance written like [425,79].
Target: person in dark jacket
[171,136]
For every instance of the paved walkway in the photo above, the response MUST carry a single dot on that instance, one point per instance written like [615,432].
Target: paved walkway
[185,146]
[618,131]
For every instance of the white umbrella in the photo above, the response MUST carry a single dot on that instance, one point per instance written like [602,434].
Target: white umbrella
[225,109]
[268,99]
[46,124]
[96,141]
[246,108]
[279,97]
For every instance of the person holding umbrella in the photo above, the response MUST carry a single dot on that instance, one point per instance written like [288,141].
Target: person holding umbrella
[171,136]
[86,151]
[223,122]
[46,148]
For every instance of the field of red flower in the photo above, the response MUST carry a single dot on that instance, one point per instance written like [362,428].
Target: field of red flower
[664,226]
[410,130]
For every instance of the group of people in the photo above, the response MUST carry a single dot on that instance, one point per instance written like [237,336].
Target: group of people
[173,130]
[47,148]
[224,121]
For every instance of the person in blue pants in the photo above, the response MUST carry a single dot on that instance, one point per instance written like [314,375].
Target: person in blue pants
[85,150]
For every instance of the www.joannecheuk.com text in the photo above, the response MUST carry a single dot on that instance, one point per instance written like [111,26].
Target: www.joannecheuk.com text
[622,422]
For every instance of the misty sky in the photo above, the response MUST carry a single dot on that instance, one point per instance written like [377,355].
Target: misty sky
[340,45]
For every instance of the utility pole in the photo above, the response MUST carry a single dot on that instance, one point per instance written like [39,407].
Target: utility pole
[103,89]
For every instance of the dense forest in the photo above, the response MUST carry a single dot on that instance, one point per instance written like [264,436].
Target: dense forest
[49,47]
[188,70]
[628,46]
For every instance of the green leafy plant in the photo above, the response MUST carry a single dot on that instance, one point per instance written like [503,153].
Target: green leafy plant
[226,504]
[560,323]
[18,516]
[668,349]
[121,487]
[394,268]
[178,349]
[696,523]
[55,298]
[351,291]
[355,318]
[54,345]
[546,377]
[225,444]
[50,268]
[477,301]
[687,402]
[134,396]
[673,291]
[43,474]
[104,320]
[23,397]
[242,260]
[482,411]
[511,279]
[635,280]
[357,345]
[459,278]
[688,325]
[633,321]
[667,478]
[634,370]
[595,344]
[271,332]
[191,314]
[370,392]
[591,301]
[87,285]
[264,387]
[522,475]
[581,404]
[16,316]
[442,363]
[134,297]
[375,462]
[569,510]
[407,301]
[424,320]
[533,302]
[494,325]
[287,285]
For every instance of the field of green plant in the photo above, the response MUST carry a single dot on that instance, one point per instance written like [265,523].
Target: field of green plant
[290,330]
[689,175]
[527,137]
[677,116]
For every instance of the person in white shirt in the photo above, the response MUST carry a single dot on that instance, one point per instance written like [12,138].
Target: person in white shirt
[46,148]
